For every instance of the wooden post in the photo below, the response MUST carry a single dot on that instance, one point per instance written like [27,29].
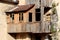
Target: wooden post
[42,13]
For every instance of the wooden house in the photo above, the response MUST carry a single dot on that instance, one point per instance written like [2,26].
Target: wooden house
[26,21]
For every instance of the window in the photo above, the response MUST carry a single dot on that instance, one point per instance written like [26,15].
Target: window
[30,17]
[20,16]
[12,17]
[38,15]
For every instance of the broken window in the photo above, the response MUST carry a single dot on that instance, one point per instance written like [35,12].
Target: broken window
[12,17]
[30,17]
[38,15]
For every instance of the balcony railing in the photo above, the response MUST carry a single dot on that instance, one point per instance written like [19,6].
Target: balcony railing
[34,27]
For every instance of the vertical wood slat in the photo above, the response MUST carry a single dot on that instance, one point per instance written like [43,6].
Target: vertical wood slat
[19,27]
[25,17]
[23,27]
[38,27]
[16,18]
[32,28]
[11,28]
[27,27]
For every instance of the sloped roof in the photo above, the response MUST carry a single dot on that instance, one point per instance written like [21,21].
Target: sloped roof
[21,8]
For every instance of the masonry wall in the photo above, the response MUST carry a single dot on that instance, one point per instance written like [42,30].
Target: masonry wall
[3,25]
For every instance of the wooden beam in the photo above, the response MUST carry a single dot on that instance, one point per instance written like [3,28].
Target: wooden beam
[42,13]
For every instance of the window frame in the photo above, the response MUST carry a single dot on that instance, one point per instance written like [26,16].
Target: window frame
[30,16]
[37,12]
[20,17]
[12,17]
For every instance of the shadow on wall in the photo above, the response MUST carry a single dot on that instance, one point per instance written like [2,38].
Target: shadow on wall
[18,36]
[11,37]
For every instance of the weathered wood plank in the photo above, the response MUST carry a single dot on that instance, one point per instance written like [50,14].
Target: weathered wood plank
[27,27]
[16,18]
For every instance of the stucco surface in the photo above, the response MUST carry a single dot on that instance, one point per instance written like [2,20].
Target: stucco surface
[3,23]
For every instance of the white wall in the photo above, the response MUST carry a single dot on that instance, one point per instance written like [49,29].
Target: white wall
[3,22]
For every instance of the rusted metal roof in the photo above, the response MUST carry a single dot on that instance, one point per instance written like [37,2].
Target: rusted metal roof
[21,8]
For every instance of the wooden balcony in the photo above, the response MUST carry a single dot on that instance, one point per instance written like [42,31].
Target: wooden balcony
[34,27]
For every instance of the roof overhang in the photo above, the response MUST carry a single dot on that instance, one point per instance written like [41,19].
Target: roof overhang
[21,8]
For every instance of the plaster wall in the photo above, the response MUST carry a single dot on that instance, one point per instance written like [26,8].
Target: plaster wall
[3,22]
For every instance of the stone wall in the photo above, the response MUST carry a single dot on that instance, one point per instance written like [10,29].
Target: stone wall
[3,24]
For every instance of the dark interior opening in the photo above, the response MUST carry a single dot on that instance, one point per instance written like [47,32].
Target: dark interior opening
[38,16]
[50,38]
[37,37]
[46,9]
[22,16]
[30,17]
[12,16]
[38,10]
[48,14]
